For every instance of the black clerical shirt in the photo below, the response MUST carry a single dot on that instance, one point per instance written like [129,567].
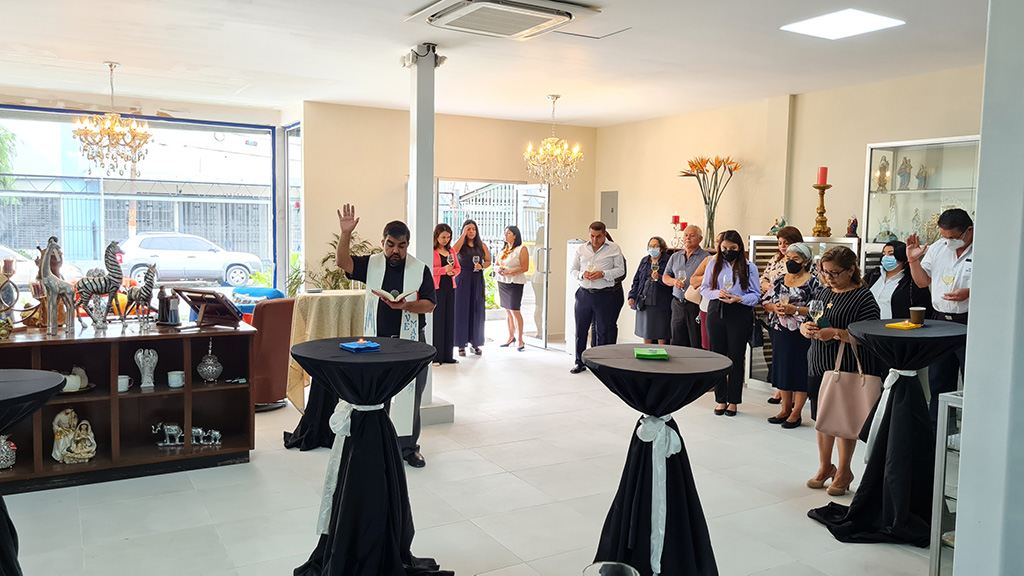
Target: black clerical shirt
[389,320]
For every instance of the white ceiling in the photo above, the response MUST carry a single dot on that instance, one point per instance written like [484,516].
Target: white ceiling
[677,56]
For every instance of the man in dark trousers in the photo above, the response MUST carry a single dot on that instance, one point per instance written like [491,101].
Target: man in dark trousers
[596,265]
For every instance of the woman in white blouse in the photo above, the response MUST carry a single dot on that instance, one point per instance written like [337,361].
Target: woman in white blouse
[512,265]
[892,286]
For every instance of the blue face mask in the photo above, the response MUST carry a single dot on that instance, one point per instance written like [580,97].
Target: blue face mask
[890,263]
[654,252]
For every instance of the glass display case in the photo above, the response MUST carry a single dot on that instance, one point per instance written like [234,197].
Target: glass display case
[908,184]
[947,472]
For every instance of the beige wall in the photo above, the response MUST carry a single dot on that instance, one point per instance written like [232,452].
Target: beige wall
[361,155]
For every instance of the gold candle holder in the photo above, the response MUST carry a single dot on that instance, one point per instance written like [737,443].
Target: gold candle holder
[821,229]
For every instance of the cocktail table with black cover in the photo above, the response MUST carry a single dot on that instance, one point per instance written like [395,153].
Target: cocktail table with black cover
[22,392]
[893,502]
[370,527]
[657,388]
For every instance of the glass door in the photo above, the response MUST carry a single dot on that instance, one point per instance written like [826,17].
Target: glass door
[532,218]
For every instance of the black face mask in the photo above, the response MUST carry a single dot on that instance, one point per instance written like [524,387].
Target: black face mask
[794,267]
[730,255]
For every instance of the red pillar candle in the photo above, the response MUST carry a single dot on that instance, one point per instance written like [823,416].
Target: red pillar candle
[683,225]
[9,266]
[822,175]
[675,219]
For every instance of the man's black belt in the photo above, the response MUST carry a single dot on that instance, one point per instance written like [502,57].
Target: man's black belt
[952,317]
[596,290]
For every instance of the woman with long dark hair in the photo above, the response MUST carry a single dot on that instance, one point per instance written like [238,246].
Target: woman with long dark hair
[893,287]
[512,264]
[473,257]
[732,289]
[446,268]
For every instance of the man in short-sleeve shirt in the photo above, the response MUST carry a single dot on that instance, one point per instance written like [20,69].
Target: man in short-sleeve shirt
[678,271]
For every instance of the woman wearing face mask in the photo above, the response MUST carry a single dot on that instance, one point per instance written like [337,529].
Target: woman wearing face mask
[732,289]
[776,268]
[893,286]
[786,304]
[650,297]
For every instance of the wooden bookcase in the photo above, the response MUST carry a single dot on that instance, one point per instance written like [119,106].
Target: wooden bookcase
[122,422]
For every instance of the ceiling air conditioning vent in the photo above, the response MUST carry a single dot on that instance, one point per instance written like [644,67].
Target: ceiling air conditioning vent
[503,18]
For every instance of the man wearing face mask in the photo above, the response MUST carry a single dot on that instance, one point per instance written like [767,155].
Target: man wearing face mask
[946,267]
[393,271]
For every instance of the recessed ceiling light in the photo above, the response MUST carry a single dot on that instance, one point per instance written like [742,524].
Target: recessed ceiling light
[842,24]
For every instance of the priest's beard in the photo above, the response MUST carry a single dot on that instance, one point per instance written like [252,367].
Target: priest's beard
[394,261]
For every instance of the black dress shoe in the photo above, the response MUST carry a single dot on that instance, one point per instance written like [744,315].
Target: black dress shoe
[777,420]
[790,425]
[774,400]
[719,411]
[577,369]
[414,459]
[730,412]
[477,351]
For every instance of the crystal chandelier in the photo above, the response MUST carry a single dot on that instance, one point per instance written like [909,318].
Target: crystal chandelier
[110,142]
[553,163]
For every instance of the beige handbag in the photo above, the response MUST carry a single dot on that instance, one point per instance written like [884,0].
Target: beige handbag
[846,399]
[692,295]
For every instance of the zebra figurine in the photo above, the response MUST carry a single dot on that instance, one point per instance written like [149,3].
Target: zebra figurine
[141,296]
[104,283]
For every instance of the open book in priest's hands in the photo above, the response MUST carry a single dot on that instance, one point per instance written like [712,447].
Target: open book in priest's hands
[395,297]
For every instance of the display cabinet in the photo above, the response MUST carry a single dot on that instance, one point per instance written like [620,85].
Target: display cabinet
[762,250]
[947,472]
[908,184]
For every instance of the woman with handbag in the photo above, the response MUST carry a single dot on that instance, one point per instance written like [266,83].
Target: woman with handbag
[786,302]
[846,396]
[732,290]
[650,297]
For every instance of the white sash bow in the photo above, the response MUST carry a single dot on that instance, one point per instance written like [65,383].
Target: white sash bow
[883,407]
[665,442]
[341,425]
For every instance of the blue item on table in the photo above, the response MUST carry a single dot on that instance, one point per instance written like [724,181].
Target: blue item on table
[360,347]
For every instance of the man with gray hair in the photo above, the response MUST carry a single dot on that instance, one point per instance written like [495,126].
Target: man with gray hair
[681,266]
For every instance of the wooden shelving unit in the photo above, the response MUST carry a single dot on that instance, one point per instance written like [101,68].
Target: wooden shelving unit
[122,421]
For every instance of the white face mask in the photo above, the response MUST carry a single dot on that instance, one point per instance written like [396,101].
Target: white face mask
[954,243]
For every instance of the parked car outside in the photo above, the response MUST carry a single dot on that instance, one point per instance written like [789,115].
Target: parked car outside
[181,257]
[25,269]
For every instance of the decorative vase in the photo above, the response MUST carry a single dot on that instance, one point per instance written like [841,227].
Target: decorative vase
[709,226]
[8,452]
[209,367]
[146,359]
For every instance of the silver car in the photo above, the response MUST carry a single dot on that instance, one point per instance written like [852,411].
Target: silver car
[185,257]
[25,270]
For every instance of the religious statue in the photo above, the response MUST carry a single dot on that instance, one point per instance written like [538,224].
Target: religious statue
[83,444]
[922,177]
[916,222]
[882,175]
[851,227]
[780,223]
[904,173]
[884,234]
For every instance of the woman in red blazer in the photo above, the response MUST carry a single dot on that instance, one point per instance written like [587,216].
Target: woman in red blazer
[446,268]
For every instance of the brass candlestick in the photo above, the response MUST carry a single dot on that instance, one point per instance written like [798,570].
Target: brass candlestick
[821,229]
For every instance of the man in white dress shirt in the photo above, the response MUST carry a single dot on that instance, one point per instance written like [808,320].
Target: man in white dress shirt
[946,266]
[596,265]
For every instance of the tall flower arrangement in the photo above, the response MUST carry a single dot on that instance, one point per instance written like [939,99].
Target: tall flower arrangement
[713,175]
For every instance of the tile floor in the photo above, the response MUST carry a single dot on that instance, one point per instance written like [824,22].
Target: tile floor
[518,486]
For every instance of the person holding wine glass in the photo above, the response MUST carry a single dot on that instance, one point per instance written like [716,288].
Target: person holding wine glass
[951,261]
[843,300]
[595,264]
[732,289]
[446,268]
[650,297]
[776,268]
[513,263]
[786,303]
[473,256]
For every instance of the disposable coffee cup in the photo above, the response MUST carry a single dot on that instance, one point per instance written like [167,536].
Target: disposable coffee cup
[917,315]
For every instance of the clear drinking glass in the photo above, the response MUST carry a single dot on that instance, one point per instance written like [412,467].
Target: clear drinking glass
[948,278]
[451,259]
[655,266]
[784,298]
[816,309]
[476,260]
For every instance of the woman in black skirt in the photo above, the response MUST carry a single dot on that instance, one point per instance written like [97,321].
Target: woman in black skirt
[446,268]
[786,301]
[513,263]
[474,257]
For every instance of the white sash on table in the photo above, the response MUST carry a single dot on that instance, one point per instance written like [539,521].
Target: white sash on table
[341,425]
[883,408]
[665,442]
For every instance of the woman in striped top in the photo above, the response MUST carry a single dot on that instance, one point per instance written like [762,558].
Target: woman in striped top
[846,300]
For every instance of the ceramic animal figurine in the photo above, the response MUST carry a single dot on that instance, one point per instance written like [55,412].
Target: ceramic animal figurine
[146,359]
[57,290]
[108,282]
[212,437]
[197,435]
[140,297]
[172,434]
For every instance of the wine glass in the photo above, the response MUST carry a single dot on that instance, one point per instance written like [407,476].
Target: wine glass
[655,266]
[591,267]
[451,259]
[784,298]
[948,278]
[816,309]
[476,261]
[727,284]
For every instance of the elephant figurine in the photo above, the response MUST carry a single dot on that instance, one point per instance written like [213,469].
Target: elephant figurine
[197,436]
[172,434]
[213,437]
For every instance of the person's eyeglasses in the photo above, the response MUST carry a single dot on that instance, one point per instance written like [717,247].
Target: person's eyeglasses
[830,274]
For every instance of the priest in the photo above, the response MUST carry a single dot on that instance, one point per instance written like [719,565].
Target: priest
[394,272]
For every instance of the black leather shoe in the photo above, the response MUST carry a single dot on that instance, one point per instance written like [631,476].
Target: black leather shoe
[577,369]
[730,412]
[774,400]
[414,459]
[777,420]
[790,425]
[719,411]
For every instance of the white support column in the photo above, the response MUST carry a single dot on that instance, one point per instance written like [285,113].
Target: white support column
[990,505]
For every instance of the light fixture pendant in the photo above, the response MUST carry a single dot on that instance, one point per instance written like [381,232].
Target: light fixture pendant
[110,142]
[553,163]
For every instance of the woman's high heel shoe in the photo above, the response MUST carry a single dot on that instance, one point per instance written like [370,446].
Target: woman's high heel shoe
[839,490]
[819,484]
[509,343]
[521,348]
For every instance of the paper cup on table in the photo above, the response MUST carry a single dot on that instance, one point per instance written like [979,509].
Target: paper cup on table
[917,315]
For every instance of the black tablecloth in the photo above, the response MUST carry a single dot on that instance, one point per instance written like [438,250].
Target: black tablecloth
[313,429]
[657,388]
[371,526]
[893,502]
[22,392]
